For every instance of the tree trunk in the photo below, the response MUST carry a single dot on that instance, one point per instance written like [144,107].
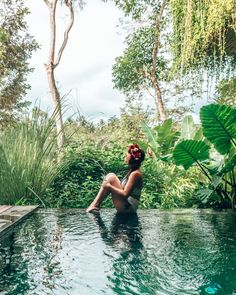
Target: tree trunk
[52,63]
[159,99]
[56,103]
[160,103]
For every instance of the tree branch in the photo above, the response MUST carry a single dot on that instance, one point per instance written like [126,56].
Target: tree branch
[47,2]
[66,33]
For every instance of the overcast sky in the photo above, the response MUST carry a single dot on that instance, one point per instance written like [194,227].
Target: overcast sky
[86,66]
[85,71]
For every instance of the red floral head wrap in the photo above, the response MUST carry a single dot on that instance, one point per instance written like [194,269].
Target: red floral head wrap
[135,151]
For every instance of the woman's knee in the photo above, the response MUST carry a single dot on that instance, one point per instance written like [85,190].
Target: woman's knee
[110,177]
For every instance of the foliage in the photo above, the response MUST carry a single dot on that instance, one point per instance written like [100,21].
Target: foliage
[162,138]
[116,131]
[178,187]
[226,92]
[137,8]
[218,123]
[16,47]
[77,185]
[144,68]
[153,178]
[28,162]
[203,33]
[132,71]
[219,129]
[189,152]
[167,186]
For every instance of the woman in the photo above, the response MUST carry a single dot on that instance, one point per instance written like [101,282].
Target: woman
[126,193]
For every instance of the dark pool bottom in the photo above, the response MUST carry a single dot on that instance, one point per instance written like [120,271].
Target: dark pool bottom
[154,252]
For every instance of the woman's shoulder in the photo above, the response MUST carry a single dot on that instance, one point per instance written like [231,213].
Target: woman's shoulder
[136,174]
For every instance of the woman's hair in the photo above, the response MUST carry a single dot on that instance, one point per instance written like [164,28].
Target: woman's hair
[137,156]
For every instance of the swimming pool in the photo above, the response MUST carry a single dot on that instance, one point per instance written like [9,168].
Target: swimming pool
[154,252]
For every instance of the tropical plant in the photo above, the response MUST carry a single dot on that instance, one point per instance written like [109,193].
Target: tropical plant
[215,154]
[161,139]
[28,160]
[176,187]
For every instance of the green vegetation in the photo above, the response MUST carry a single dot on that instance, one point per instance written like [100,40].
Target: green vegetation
[204,33]
[28,160]
[16,47]
[187,164]
[214,154]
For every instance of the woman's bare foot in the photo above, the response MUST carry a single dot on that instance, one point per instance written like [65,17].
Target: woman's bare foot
[92,208]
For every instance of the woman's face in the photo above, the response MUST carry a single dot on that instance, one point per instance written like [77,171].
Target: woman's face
[127,158]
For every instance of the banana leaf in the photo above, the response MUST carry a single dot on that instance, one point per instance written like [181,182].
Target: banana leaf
[198,135]
[151,136]
[219,126]
[166,136]
[189,152]
[164,129]
[188,128]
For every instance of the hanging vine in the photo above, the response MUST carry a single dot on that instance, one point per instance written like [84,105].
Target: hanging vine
[204,33]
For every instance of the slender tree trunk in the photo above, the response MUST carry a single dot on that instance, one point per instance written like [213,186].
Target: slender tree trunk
[56,103]
[53,63]
[159,98]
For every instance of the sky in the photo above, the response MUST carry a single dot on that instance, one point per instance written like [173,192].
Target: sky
[84,75]
[85,72]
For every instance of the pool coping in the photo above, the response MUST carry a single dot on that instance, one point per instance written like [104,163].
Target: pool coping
[11,216]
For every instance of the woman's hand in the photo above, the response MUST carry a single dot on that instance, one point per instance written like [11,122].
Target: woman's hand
[106,184]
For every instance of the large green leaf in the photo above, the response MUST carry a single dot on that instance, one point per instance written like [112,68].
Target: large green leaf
[151,136]
[166,136]
[165,128]
[229,166]
[188,152]
[204,194]
[188,128]
[219,126]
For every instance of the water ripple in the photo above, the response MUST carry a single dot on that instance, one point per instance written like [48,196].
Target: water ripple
[154,252]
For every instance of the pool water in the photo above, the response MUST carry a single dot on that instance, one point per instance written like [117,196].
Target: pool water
[153,252]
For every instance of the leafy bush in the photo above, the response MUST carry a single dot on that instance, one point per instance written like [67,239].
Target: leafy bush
[78,184]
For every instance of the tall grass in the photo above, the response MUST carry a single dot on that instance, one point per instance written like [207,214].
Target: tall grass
[28,160]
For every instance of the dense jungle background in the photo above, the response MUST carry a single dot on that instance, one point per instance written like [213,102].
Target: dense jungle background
[176,52]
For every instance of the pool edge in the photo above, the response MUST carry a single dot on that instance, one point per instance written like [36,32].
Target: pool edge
[11,226]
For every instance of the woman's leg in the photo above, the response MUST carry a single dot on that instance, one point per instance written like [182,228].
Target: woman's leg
[103,192]
[120,203]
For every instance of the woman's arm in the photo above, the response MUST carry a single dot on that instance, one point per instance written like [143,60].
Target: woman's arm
[125,192]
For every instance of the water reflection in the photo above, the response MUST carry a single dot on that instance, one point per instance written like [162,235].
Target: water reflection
[176,254]
[124,230]
[128,257]
[163,253]
[28,261]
